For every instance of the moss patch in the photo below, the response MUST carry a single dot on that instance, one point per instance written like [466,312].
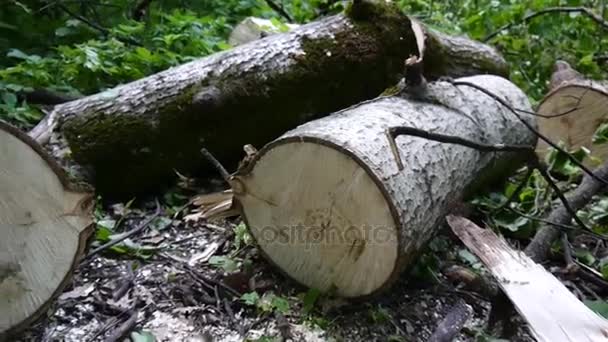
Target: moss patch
[331,71]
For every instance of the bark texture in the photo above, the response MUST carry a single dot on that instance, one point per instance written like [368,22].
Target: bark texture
[135,135]
[419,196]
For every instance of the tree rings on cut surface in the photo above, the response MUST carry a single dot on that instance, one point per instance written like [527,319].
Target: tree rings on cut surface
[44,224]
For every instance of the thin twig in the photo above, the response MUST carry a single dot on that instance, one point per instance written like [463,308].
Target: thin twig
[532,160]
[570,264]
[94,25]
[127,234]
[393,132]
[531,128]
[280,10]
[209,283]
[560,195]
[216,164]
[583,10]
[124,328]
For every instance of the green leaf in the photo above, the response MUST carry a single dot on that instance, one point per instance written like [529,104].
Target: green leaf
[280,304]
[601,134]
[250,298]
[143,336]
[467,256]
[16,53]
[107,223]
[9,99]
[310,299]
[599,306]
[585,256]
[161,223]
[63,31]
[227,264]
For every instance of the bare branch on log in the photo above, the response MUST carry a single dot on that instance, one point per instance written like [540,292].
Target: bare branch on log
[583,10]
[393,132]
[279,9]
[216,164]
[530,127]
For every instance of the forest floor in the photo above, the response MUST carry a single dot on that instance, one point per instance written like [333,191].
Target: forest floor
[184,280]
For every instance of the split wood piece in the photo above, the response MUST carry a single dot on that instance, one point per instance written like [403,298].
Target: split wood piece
[44,223]
[585,103]
[540,246]
[250,94]
[553,313]
[327,203]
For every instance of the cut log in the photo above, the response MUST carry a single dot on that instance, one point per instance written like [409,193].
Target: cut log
[328,205]
[44,224]
[585,101]
[250,94]
[553,313]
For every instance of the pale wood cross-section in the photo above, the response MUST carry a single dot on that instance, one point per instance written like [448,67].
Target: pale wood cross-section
[44,225]
[586,105]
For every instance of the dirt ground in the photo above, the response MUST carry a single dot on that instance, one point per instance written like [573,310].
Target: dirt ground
[181,280]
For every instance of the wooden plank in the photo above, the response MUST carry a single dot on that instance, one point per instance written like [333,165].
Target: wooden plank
[551,310]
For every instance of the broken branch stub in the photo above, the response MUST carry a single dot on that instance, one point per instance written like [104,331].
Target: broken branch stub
[44,224]
[328,204]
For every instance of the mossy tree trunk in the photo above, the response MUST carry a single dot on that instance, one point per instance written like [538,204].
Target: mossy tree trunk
[135,135]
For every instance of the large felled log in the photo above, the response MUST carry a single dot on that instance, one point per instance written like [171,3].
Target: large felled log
[44,225]
[328,205]
[251,94]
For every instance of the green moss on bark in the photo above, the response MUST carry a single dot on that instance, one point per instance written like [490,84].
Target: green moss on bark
[131,153]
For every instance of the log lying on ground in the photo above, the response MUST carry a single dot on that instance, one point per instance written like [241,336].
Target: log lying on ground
[135,135]
[585,103]
[553,313]
[328,205]
[44,225]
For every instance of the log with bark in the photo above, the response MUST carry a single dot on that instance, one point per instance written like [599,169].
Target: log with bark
[134,136]
[44,224]
[328,204]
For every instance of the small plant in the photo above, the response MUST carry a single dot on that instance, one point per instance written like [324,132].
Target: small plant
[269,302]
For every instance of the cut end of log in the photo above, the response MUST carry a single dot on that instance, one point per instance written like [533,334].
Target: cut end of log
[317,212]
[44,226]
[583,105]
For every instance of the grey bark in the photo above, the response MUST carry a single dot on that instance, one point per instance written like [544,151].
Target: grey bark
[436,175]
[135,135]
